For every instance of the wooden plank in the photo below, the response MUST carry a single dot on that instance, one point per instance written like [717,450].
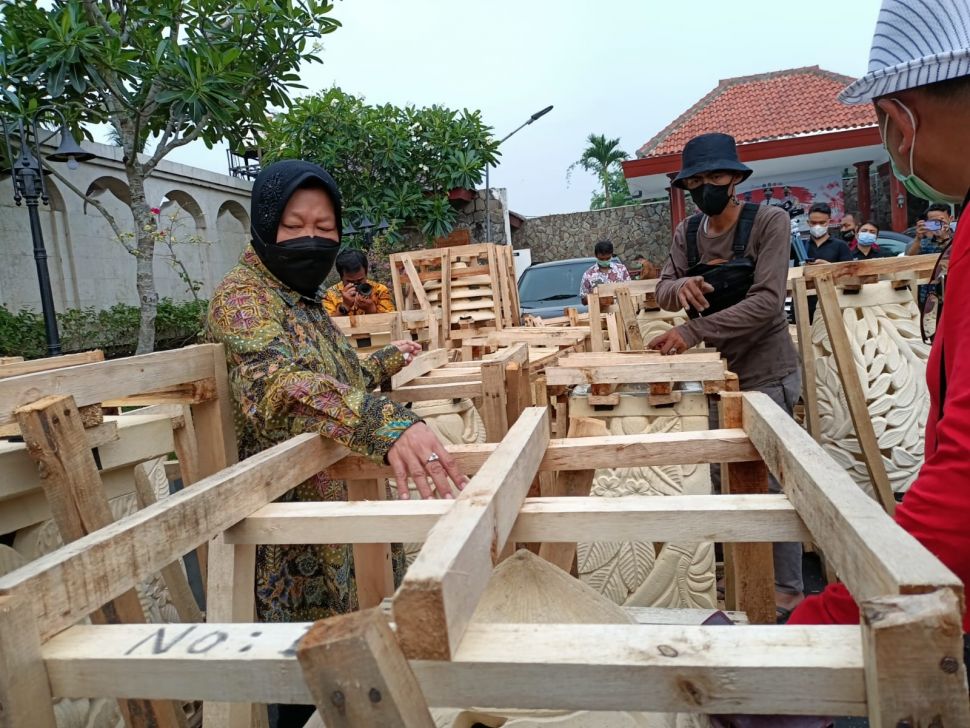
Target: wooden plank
[571,483]
[580,359]
[494,401]
[416,286]
[614,451]
[628,318]
[69,476]
[616,333]
[807,354]
[25,696]
[493,268]
[436,600]
[855,398]
[872,555]
[671,668]
[421,365]
[372,562]
[358,676]
[400,302]
[446,297]
[877,266]
[749,567]
[666,369]
[95,383]
[425,392]
[734,518]
[69,583]
[230,597]
[186,393]
[15,369]
[913,652]
[596,342]
[172,574]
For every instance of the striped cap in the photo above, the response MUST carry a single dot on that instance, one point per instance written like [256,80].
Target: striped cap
[916,43]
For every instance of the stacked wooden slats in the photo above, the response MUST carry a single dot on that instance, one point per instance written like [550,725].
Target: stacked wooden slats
[472,285]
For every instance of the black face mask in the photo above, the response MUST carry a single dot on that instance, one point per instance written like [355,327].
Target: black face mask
[848,236]
[711,199]
[300,263]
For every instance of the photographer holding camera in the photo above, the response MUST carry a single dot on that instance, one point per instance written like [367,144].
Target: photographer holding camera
[356,294]
[933,230]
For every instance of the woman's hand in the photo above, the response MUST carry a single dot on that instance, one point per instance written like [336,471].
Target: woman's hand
[410,349]
[419,454]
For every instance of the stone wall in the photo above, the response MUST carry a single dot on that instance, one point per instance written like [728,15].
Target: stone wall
[633,229]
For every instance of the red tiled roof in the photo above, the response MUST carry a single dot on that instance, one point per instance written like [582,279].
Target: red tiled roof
[797,102]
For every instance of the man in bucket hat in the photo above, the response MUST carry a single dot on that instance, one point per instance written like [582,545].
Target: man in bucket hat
[919,82]
[728,267]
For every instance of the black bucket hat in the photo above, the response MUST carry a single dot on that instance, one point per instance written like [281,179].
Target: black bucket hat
[710,153]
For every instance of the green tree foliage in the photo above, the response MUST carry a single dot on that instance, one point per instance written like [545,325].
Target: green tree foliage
[162,74]
[619,192]
[391,162]
[602,157]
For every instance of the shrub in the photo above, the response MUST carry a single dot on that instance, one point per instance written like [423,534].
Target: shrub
[113,330]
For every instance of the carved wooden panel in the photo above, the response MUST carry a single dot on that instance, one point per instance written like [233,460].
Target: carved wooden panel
[883,328]
[646,574]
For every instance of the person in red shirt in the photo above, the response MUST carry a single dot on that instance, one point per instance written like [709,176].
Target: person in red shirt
[926,129]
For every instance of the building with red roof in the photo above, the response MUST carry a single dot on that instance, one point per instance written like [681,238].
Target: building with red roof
[786,123]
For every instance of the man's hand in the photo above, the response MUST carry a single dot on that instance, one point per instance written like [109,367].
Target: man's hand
[691,294]
[419,454]
[669,343]
[349,295]
[367,303]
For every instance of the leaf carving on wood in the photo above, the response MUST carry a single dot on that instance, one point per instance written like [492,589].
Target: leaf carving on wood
[890,358]
[682,575]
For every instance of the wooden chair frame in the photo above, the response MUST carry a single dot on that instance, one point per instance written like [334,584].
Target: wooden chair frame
[903,664]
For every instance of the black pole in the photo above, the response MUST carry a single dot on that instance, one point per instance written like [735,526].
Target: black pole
[43,277]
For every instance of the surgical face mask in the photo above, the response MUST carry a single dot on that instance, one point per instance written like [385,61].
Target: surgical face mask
[953,226]
[914,185]
[866,238]
[711,199]
[300,263]
[818,231]
[604,263]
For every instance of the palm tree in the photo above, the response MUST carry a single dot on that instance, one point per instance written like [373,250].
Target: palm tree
[599,156]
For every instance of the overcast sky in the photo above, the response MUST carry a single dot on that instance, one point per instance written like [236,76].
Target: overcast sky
[624,68]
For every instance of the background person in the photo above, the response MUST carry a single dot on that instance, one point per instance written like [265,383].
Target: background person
[753,333]
[822,247]
[292,371]
[848,228]
[933,230]
[866,246]
[606,270]
[356,293]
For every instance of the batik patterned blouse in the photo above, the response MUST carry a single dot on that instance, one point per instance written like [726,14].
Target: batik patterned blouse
[292,371]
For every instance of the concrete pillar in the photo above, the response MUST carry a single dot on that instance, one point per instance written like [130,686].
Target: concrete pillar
[678,207]
[863,190]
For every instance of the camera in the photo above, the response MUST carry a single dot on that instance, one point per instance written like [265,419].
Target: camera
[364,288]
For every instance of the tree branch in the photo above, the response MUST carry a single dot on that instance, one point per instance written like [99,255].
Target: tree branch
[95,204]
[96,16]
[163,149]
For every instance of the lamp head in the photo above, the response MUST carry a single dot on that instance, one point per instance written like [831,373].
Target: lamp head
[69,150]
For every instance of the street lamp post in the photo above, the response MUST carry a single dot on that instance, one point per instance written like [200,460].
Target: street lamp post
[488,187]
[29,185]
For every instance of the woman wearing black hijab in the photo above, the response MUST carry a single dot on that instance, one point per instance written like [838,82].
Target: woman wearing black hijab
[292,371]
